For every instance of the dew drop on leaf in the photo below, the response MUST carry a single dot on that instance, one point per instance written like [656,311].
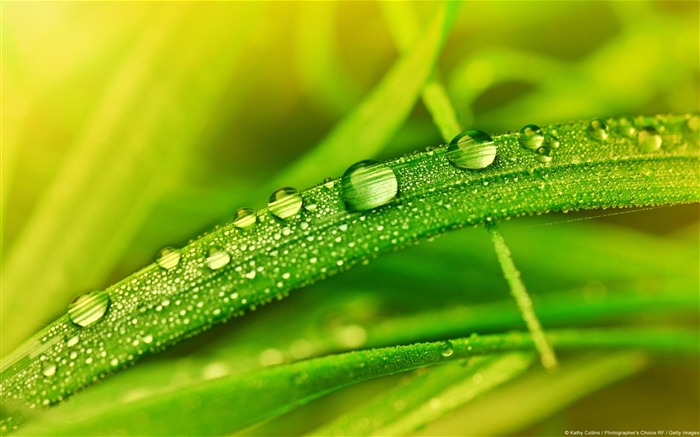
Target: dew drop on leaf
[310,204]
[217,259]
[472,150]
[328,183]
[544,154]
[598,129]
[285,202]
[88,308]
[244,218]
[531,137]
[626,128]
[367,185]
[649,139]
[446,349]
[49,369]
[168,258]
[553,142]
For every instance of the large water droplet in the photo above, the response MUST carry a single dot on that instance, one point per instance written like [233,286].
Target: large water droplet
[649,139]
[88,308]
[285,202]
[626,128]
[446,349]
[531,137]
[368,184]
[472,149]
[168,258]
[598,129]
[217,259]
[244,218]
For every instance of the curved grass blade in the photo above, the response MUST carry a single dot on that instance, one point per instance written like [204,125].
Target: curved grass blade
[428,396]
[232,270]
[227,404]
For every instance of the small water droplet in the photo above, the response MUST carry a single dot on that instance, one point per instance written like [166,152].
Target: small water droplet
[148,339]
[88,308]
[553,142]
[544,154]
[626,128]
[649,139]
[285,202]
[446,349]
[368,184]
[72,341]
[217,259]
[49,369]
[328,183]
[168,258]
[531,137]
[598,129]
[310,204]
[472,149]
[244,218]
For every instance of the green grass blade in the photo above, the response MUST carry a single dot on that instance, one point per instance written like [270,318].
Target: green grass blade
[274,257]
[430,395]
[231,403]
[522,298]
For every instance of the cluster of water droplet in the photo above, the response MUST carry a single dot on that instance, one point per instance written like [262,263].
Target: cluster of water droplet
[304,236]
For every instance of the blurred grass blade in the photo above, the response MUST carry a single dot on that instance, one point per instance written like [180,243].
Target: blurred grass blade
[403,23]
[363,132]
[430,395]
[531,399]
[96,203]
[230,403]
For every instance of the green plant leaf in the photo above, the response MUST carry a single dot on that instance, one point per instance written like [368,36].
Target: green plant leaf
[231,270]
[232,403]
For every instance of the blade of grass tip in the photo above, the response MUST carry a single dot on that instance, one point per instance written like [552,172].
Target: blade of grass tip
[114,195]
[537,396]
[318,65]
[368,128]
[403,24]
[429,395]
[228,403]
[519,293]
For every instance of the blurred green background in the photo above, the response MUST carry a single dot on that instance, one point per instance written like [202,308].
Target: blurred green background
[128,127]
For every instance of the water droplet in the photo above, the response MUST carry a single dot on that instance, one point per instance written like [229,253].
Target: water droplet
[168,258]
[648,139]
[544,154]
[328,183]
[244,218]
[310,204]
[88,308]
[285,202]
[368,184]
[472,149]
[598,129]
[690,129]
[446,349]
[531,137]
[217,259]
[626,128]
[49,369]
[72,341]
